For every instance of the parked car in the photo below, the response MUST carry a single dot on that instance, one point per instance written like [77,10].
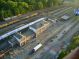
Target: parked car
[76,12]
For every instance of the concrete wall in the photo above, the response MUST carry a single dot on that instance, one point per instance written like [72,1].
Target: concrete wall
[42,29]
[24,40]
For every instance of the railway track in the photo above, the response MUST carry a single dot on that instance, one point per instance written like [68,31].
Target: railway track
[24,17]
[25,21]
[57,11]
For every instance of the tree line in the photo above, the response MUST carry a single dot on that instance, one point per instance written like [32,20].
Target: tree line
[74,43]
[10,8]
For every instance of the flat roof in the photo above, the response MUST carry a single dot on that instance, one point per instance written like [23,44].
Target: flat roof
[65,17]
[17,36]
[39,24]
[27,32]
[21,28]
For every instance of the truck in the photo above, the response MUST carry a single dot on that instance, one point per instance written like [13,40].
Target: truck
[36,48]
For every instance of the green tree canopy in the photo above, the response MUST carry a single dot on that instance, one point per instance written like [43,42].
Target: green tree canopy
[14,7]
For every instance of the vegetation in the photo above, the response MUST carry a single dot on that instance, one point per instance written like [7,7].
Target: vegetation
[74,43]
[14,7]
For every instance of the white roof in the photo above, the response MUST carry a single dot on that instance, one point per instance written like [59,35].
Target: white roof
[18,29]
[65,17]
[37,47]
[33,29]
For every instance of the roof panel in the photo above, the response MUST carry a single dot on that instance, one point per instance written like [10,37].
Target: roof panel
[18,29]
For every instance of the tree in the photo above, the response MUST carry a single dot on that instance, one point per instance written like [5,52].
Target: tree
[62,54]
[40,5]
[14,7]
[50,3]
[74,43]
